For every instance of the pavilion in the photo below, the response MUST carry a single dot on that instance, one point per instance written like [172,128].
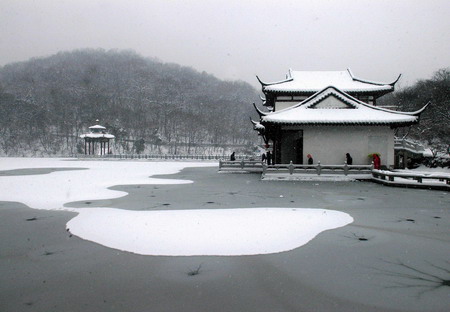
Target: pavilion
[97,137]
[328,114]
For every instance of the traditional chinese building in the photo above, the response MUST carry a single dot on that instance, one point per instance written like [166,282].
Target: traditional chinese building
[97,141]
[328,114]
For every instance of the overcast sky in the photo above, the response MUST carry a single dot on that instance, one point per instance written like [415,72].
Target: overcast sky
[237,39]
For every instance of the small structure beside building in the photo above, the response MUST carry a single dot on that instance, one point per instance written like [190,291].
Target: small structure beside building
[329,114]
[97,141]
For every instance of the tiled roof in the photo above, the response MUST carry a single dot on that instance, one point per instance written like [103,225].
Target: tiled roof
[355,112]
[313,81]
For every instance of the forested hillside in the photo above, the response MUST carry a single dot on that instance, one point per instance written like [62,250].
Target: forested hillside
[434,126]
[46,103]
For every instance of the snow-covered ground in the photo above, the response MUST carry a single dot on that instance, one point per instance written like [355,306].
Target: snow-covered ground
[424,169]
[165,232]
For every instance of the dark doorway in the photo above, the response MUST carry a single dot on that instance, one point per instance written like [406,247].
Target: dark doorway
[291,148]
[298,147]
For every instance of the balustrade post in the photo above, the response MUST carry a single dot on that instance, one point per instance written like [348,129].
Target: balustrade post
[345,168]
[291,168]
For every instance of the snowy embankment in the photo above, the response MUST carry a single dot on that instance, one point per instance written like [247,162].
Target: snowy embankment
[165,232]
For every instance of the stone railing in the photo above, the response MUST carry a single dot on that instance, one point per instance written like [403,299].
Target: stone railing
[242,164]
[404,144]
[391,176]
[317,169]
[152,156]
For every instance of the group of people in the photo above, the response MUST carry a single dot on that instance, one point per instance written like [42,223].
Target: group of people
[267,158]
[349,160]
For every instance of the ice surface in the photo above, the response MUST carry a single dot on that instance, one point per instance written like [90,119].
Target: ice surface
[165,232]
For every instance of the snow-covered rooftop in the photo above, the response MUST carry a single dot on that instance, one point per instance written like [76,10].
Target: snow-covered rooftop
[313,81]
[97,127]
[97,135]
[346,110]
[97,132]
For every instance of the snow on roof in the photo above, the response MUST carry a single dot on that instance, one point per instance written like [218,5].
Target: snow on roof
[97,135]
[97,127]
[313,81]
[350,111]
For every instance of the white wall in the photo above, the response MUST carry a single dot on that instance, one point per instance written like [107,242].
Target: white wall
[329,144]
[282,105]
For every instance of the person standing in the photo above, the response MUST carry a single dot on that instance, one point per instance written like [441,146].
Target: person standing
[263,157]
[269,158]
[233,157]
[349,159]
[376,161]
[310,159]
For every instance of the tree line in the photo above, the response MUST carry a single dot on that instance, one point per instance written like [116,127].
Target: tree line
[46,103]
[151,106]
[434,126]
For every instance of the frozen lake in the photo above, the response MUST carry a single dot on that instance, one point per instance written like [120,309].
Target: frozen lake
[383,248]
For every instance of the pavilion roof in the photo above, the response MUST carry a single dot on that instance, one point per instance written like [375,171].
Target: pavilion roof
[350,111]
[97,127]
[314,81]
[97,136]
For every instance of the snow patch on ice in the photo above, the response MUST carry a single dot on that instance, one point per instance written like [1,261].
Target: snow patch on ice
[218,232]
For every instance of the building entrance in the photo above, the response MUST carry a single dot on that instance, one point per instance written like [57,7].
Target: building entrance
[292,146]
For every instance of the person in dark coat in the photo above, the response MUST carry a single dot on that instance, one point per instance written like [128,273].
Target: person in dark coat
[269,158]
[232,157]
[349,159]
[310,159]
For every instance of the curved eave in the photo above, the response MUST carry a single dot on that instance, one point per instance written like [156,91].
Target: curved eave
[264,84]
[260,113]
[420,111]
[373,82]
[395,81]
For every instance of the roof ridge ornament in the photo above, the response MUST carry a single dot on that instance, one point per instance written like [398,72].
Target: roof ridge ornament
[289,74]
[263,100]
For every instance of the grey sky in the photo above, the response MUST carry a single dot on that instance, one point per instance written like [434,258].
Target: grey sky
[236,39]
